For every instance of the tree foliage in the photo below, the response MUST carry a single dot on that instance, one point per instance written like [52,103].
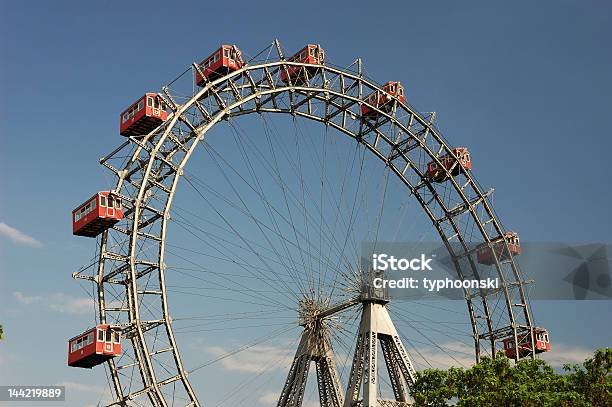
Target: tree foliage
[498,382]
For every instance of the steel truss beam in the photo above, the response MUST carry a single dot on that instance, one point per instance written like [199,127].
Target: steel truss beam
[376,326]
[314,347]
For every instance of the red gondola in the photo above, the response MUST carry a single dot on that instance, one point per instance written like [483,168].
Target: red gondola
[382,100]
[143,116]
[97,214]
[226,59]
[456,166]
[310,54]
[484,252]
[94,346]
[542,343]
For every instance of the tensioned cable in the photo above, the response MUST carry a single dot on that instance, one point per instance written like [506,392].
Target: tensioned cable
[278,178]
[237,233]
[262,370]
[285,187]
[257,341]
[238,284]
[181,220]
[247,212]
[267,204]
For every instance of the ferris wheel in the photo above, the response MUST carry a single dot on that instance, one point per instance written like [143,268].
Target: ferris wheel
[263,238]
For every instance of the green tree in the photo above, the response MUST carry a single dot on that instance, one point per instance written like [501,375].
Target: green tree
[497,382]
[1,332]
[594,378]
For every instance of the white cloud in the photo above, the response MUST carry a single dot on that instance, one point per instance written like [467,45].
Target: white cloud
[26,299]
[455,354]
[255,359]
[70,305]
[269,398]
[59,302]
[18,236]
[83,388]
[101,392]
[561,354]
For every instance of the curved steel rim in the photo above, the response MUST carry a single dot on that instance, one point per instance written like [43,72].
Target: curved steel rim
[239,93]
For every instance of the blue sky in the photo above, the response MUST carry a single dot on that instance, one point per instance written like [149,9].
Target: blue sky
[526,86]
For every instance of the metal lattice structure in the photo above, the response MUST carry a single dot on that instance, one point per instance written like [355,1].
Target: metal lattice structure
[314,348]
[133,252]
[376,327]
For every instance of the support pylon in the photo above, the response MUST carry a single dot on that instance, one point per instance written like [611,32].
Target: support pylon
[376,325]
[314,347]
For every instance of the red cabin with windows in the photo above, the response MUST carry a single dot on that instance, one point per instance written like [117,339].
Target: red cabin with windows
[484,252]
[95,346]
[143,116]
[382,100]
[310,54]
[542,343]
[226,59]
[97,214]
[455,166]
